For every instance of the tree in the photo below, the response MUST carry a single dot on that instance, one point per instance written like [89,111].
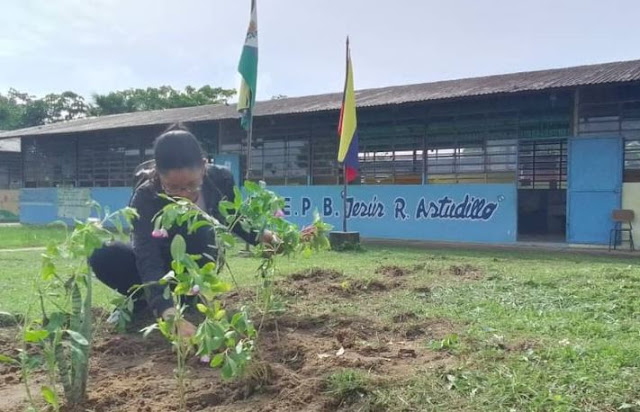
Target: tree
[165,97]
[10,115]
[18,110]
[65,106]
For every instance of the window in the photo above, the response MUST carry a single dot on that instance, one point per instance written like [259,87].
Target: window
[632,160]
[280,152]
[490,161]
[108,161]
[543,165]
[49,161]
[501,160]
[281,161]
[614,111]
[10,170]
[391,153]
[324,163]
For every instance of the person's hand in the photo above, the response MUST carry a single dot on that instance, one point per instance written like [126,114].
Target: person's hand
[271,242]
[269,238]
[184,328]
[307,233]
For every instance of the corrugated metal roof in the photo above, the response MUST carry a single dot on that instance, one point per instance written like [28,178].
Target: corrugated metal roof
[617,72]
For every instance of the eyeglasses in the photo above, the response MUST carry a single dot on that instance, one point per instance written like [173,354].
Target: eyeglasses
[172,190]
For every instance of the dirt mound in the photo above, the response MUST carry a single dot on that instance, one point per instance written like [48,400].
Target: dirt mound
[309,282]
[466,272]
[404,317]
[288,373]
[393,271]
[353,287]
[316,275]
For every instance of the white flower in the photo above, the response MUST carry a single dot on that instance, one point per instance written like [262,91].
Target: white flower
[114,317]
[170,275]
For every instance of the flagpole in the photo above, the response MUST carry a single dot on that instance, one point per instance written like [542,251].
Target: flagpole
[344,198]
[249,147]
[344,166]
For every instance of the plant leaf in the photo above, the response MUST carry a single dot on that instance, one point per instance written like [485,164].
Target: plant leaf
[7,359]
[81,340]
[49,396]
[229,369]
[48,270]
[217,360]
[197,225]
[35,336]
[237,201]
[178,247]
[201,308]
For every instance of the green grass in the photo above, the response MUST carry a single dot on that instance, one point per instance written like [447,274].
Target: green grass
[14,237]
[532,331]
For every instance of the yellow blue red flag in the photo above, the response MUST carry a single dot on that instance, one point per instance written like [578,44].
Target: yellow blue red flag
[348,125]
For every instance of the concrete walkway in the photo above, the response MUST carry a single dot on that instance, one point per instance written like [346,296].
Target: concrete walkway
[556,248]
[24,249]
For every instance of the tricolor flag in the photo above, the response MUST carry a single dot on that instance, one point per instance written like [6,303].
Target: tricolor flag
[348,126]
[248,68]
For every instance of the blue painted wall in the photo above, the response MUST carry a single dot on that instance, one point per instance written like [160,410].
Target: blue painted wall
[38,206]
[465,213]
[231,162]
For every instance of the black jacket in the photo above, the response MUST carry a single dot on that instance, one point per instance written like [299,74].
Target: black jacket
[153,256]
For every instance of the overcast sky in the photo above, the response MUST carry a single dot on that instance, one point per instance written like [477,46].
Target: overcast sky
[100,45]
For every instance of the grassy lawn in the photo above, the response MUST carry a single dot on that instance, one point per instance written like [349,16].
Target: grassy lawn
[519,331]
[14,237]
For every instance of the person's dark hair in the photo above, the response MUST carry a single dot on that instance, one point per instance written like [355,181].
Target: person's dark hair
[177,148]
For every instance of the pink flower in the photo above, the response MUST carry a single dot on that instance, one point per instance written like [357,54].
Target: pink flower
[205,359]
[278,213]
[159,233]
[194,290]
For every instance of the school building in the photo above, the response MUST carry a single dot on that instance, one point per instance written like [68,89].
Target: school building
[536,156]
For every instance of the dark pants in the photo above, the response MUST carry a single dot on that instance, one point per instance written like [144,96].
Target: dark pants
[115,265]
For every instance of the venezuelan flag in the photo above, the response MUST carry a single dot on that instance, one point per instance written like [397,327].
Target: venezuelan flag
[348,126]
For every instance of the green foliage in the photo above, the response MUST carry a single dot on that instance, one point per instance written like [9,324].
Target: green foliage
[226,341]
[65,333]
[18,109]
[158,98]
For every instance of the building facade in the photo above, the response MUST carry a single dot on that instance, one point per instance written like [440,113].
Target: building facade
[539,156]
[10,179]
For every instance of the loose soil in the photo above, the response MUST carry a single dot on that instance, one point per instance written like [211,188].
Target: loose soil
[466,272]
[294,358]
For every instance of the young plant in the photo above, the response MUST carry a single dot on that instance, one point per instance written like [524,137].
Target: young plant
[65,332]
[27,362]
[224,340]
[231,339]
